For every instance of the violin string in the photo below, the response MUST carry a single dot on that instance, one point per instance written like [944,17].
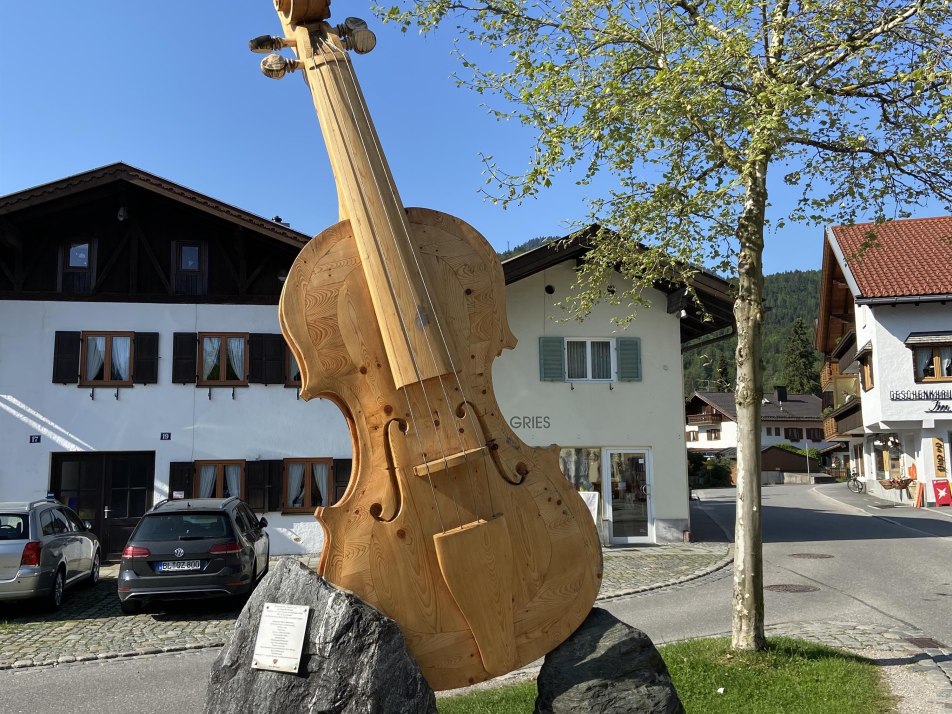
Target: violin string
[419,271]
[329,51]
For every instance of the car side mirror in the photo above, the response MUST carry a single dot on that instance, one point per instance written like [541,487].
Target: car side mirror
[263,522]
[87,525]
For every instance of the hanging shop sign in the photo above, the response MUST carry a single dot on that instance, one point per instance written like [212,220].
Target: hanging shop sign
[943,497]
[938,457]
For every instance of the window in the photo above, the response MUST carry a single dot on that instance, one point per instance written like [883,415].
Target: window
[693,436]
[292,370]
[814,434]
[793,433]
[116,359]
[589,359]
[866,373]
[77,265]
[307,484]
[222,359]
[189,274]
[106,359]
[713,434]
[218,479]
[933,363]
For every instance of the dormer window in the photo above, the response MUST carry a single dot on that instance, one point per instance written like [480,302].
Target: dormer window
[77,265]
[189,260]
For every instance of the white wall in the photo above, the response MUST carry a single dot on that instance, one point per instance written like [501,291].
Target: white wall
[647,414]
[261,422]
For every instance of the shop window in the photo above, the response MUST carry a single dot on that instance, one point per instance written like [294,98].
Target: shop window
[582,467]
[222,359]
[219,479]
[308,483]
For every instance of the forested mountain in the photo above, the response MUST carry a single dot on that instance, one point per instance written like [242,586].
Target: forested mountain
[787,296]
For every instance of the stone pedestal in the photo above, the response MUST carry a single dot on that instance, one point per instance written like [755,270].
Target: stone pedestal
[354,658]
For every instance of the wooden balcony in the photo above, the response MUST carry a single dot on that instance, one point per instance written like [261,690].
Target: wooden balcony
[828,372]
[839,425]
[702,419]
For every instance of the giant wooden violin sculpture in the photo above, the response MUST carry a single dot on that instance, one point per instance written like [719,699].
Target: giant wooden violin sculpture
[472,541]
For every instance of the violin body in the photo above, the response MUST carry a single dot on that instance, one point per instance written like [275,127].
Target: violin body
[537,582]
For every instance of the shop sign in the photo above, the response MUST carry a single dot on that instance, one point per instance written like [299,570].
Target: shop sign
[938,457]
[942,495]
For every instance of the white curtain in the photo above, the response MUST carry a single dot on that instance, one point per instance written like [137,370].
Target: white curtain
[95,353]
[295,485]
[236,358]
[232,480]
[945,359]
[923,362]
[576,358]
[320,487]
[210,351]
[120,358]
[206,484]
[601,360]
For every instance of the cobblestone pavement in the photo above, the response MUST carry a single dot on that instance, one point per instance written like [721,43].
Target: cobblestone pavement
[90,626]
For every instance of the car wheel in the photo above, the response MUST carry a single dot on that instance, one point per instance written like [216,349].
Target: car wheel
[93,578]
[130,607]
[55,597]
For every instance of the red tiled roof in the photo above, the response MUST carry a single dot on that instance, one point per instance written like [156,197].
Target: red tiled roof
[906,258]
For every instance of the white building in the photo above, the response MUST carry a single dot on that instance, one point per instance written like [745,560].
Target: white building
[141,359]
[785,418]
[885,327]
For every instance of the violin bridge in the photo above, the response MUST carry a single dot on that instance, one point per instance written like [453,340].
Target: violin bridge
[449,462]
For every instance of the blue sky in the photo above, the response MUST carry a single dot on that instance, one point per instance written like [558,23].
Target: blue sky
[171,88]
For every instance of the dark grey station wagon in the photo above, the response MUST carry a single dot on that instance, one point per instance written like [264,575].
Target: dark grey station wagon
[193,548]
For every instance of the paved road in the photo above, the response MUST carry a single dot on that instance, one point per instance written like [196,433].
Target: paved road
[859,602]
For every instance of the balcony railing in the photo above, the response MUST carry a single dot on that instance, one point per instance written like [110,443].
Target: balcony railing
[848,418]
[828,372]
[701,419]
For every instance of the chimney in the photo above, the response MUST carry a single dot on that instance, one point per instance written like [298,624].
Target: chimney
[781,394]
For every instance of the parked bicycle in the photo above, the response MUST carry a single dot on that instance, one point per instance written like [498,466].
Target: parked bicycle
[854,483]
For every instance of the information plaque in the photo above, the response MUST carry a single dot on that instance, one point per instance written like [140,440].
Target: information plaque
[280,637]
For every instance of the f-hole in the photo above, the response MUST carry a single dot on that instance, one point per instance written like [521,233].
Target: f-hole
[376,509]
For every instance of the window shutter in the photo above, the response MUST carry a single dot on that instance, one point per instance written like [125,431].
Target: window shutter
[146,350]
[184,357]
[551,359]
[263,484]
[180,477]
[66,358]
[629,359]
[342,468]
[266,363]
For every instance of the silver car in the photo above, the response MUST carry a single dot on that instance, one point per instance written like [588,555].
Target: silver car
[44,548]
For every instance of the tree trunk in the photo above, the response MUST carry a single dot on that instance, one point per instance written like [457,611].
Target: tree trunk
[747,622]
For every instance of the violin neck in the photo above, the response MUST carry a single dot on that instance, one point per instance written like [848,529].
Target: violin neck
[407,317]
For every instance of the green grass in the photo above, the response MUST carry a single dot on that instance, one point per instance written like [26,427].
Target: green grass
[790,676]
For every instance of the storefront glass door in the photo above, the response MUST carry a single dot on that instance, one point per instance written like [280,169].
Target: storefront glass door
[627,491]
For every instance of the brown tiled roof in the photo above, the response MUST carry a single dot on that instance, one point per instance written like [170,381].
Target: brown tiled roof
[899,258]
[797,407]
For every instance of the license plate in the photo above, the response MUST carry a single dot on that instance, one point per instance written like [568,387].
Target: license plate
[176,566]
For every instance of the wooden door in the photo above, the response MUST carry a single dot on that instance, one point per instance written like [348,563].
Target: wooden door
[110,490]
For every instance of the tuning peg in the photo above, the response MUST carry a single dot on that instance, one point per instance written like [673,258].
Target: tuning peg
[356,36]
[269,43]
[276,66]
